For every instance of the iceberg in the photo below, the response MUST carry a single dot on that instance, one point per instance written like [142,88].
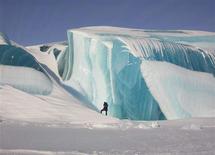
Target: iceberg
[106,62]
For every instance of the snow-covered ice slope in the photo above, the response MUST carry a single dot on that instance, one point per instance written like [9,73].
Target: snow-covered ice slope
[26,79]
[21,70]
[51,55]
[181,92]
[106,64]
[4,39]
[31,91]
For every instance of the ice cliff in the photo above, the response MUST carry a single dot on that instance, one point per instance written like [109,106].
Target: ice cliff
[106,62]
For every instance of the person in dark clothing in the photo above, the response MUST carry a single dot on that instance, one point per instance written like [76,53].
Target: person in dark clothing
[105,108]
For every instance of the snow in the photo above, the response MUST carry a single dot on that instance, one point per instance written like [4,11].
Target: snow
[49,57]
[180,92]
[57,108]
[4,39]
[201,39]
[26,79]
[169,138]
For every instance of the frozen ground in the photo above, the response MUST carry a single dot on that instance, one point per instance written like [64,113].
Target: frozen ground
[192,136]
[56,124]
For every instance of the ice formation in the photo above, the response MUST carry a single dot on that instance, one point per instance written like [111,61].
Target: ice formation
[26,79]
[181,93]
[106,63]
[142,74]
[20,69]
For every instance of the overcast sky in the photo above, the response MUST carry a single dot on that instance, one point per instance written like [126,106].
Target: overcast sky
[40,21]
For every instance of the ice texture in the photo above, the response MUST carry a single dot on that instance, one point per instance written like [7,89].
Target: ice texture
[19,69]
[26,79]
[16,56]
[181,93]
[106,64]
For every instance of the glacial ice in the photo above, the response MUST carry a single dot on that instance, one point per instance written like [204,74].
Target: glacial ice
[142,74]
[20,69]
[106,63]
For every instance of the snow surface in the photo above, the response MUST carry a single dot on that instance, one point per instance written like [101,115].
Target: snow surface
[3,39]
[201,39]
[179,90]
[45,58]
[178,137]
[58,108]
[49,57]
[26,79]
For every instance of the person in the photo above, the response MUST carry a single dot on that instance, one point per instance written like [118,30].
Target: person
[105,108]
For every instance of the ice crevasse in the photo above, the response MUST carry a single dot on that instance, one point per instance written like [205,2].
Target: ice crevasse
[142,74]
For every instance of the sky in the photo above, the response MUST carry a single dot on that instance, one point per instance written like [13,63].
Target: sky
[30,22]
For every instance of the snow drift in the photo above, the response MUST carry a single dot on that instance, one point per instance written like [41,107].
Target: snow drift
[25,79]
[19,69]
[181,93]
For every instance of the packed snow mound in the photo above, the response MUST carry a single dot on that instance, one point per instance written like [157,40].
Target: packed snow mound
[52,55]
[26,79]
[105,62]
[57,108]
[20,69]
[180,92]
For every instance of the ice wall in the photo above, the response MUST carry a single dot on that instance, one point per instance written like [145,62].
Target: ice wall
[104,75]
[106,61]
